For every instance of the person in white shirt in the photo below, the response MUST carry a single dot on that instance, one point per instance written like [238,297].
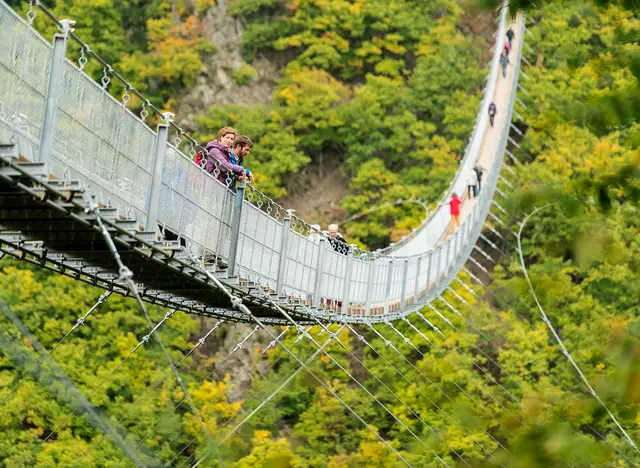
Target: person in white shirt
[472,183]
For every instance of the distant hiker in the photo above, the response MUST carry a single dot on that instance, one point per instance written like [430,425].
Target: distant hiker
[479,171]
[472,184]
[504,61]
[492,113]
[336,240]
[510,35]
[315,233]
[454,210]
[506,47]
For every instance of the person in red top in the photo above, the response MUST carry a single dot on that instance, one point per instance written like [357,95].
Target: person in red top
[454,206]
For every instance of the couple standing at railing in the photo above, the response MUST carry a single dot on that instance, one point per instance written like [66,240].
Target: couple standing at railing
[224,157]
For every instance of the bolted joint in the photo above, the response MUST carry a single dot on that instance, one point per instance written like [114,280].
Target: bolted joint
[80,322]
[145,338]
[67,26]
[201,342]
[236,302]
[167,117]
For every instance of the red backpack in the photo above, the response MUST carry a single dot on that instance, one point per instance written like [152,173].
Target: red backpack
[199,159]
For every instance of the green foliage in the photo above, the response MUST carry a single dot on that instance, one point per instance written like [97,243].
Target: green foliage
[245,74]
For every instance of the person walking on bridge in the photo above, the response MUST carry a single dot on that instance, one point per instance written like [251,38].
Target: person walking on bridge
[504,61]
[492,113]
[479,171]
[472,184]
[454,210]
[510,35]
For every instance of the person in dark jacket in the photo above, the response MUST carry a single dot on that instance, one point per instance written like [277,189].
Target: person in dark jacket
[479,171]
[241,147]
[492,113]
[336,240]
[504,61]
[510,35]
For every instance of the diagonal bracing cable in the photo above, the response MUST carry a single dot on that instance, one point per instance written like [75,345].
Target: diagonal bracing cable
[63,379]
[238,346]
[478,367]
[388,344]
[102,299]
[237,303]
[102,382]
[199,343]
[546,320]
[228,420]
[473,400]
[127,276]
[551,376]
[268,398]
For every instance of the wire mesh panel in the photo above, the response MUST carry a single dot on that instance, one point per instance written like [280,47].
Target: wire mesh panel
[359,282]
[300,266]
[98,140]
[194,205]
[412,271]
[25,60]
[334,278]
[259,244]
[395,287]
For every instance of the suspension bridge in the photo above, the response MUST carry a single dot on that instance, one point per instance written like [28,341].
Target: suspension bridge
[86,181]
[89,190]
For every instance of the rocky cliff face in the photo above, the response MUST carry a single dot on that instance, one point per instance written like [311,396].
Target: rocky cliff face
[216,83]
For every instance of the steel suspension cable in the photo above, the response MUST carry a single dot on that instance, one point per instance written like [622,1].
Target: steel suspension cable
[238,346]
[99,421]
[362,339]
[113,371]
[199,343]
[353,356]
[388,344]
[237,303]
[79,322]
[484,372]
[546,320]
[551,376]
[550,359]
[267,399]
[473,400]
[127,276]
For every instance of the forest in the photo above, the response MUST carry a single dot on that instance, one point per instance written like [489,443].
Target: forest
[388,91]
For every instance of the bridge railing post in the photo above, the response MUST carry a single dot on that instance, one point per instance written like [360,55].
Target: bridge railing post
[370,279]
[53,92]
[416,287]
[429,267]
[282,263]
[403,293]
[317,289]
[387,296]
[159,152]
[347,280]
[235,227]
